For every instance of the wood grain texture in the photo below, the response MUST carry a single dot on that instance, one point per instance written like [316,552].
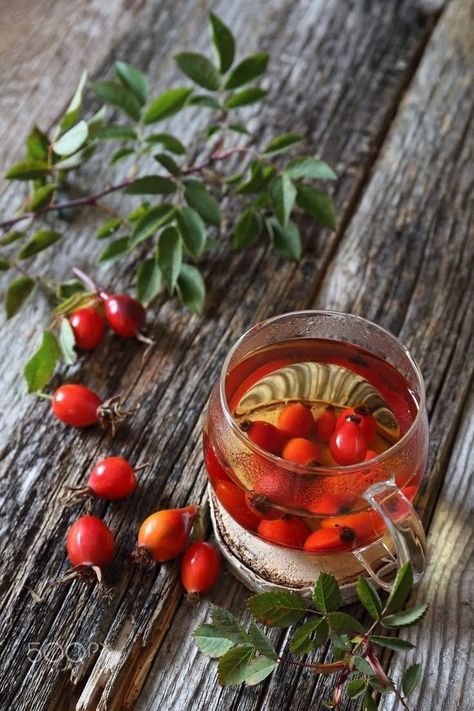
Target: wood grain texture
[327,56]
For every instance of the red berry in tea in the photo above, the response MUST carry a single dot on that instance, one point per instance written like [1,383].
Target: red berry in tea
[261,506]
[263,434]
[326,424]
[330,540]
[301,451]
[367,423]
[289,531]
[295,420]
[347,444]
[232,497]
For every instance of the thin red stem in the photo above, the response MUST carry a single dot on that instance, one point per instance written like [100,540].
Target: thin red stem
[86,279]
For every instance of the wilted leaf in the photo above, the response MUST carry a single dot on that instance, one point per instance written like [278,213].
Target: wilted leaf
[200,69]
[40,240]
[250,68]
[167,104]
[191,288]
[118,96]
[39,369]
[223,42]
[134,79]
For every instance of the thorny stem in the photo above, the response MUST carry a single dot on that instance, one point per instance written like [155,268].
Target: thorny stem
[92,200]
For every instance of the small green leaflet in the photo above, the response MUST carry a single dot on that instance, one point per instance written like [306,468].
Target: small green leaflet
[369,703]
[11,237]
[115,249]
[326,593]
[115,131]
[310,168]
[95,122]
[282,197]
[200,69]
[108,228]
[191,288]
[247,229]
[401,588]
[39,369]
[362,665]
[67,342]
[40,240]
[355,688]
[193,230]
[317,204]
[206,101]
[167,104]
[168,162]
[151,185]
[148,281]
[228,625]
[395,643]
[222,41]
[27,170]
[369,597]
[250,68]
[406,618]
[411,678]
[76,159]
[232,667]
[71,114]
[202,201]
[309,636]
[119,96]
[245,97]
[72,140]
[210,641]
[258,669]
[120,155]
[282,143]
[134,79]
[170,256]
[277,609]
[41,197]
[341,623]
[150,221]
[168,142]
[37,145]
[17,293]
[261,642]
[286,240]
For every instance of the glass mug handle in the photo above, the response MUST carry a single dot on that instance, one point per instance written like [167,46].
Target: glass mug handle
[404,527]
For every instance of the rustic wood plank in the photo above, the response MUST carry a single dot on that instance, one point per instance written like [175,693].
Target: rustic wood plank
[445,640]
[375,62]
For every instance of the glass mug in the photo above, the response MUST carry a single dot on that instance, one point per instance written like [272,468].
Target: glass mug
[324,360]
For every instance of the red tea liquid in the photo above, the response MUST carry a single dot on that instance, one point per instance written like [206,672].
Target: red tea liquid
[286,502]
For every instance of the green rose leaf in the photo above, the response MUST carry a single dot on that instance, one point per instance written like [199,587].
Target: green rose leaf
[369,597]
[398,645]
[277,609]
[27,170]
[245,97]
[286,240]
[341,642]
[193,230]
[369,704]
[282,143]
[355,688]
[167,162]
[37,145]
[261,642]
[232,667]
[40,240]
[210,641]
[226,623]
[401,588]
[134,80]
[406,618]
[39,369]
[76,159]
[167,104]
[11,237]
[342,623]
[41,197]
[310,168]
[222,41]
[168,142]
[115,249]
[282,197]
[150,221]
[191,288]
[67,342]
[326,593]
[170,256]
[411,678]
[248,229]
[317,204]
[148,281]
[121,154]
[108,228]
[71,114]
[239,128]
[119,96]
[151,185]
[362,665]
[309,636]
[249,69]
[206,101]
[72,140]
[114,132]
[258,669]
[200,69]
[202,201]
[16,295]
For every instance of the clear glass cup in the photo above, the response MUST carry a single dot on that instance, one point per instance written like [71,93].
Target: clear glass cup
[378,492]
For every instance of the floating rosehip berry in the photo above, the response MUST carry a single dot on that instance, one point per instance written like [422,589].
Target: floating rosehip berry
[326,424]
[368,425]
[164,535]
[263,434]
[326,505]
[289,531]
[200,568]
[295,420]
[329,540]
[261,506]
[79,406]
[125,314]
[88,327]
[300,451]
[365,524]
[347,444]
[111,479]
[232,497]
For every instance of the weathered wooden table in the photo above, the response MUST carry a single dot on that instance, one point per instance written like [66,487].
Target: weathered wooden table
[383,91]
